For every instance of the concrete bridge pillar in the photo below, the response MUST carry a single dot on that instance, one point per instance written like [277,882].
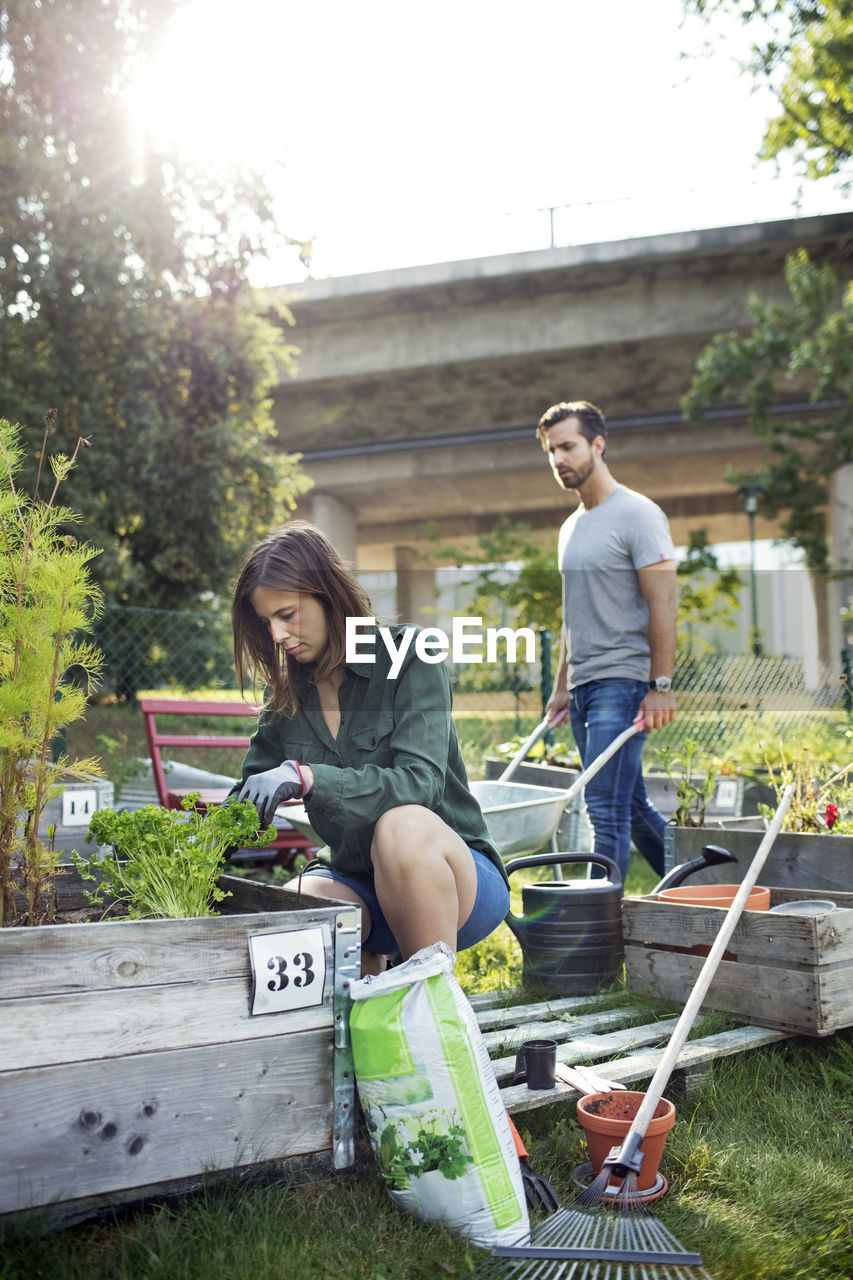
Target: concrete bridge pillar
[337,521]
[415,588]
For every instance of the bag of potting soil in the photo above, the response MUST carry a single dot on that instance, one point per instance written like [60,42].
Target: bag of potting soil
[432,1104]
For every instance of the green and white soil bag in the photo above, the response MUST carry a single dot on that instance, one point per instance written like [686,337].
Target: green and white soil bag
[437,1124]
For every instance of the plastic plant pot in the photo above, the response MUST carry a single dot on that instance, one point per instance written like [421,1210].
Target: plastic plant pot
[606,1118]
[716,895]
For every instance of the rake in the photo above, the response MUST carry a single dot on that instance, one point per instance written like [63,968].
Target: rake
[581,1241]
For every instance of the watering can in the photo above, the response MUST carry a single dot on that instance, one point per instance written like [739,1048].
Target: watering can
[570,931]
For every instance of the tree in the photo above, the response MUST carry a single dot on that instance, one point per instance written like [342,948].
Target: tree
[708,596]
[125,304]
[808,344]
[804,48]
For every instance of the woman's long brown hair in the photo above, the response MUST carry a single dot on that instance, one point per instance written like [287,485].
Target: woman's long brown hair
[297,557]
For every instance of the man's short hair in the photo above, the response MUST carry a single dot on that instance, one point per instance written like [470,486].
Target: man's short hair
[589,416]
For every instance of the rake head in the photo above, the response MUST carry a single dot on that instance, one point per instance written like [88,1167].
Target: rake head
[578,1243]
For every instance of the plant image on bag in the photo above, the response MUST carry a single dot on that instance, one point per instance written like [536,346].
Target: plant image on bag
[165,863]
[439,1148]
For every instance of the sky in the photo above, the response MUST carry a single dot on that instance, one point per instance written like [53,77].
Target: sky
[398,134]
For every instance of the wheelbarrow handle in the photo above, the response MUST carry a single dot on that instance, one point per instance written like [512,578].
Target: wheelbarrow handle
[548,859]
[540,730]
[601,760]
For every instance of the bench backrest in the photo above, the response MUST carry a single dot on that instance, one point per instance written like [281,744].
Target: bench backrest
[152,707]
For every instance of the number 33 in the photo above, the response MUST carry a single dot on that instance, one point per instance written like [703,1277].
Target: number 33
[301,961]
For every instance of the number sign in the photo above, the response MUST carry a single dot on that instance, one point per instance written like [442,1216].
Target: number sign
[288,970]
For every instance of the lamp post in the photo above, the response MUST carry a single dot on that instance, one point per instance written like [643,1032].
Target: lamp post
[750,494]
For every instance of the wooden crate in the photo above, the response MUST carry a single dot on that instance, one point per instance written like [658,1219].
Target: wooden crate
[131,1060]
[792,972]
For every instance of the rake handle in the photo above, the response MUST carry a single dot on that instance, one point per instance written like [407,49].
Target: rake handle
[706,976]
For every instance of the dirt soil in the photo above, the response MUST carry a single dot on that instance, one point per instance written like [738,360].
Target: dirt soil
[616,1106]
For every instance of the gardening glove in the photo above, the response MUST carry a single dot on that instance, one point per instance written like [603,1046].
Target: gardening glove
[269,789]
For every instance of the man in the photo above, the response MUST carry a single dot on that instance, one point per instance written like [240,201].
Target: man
[617,651]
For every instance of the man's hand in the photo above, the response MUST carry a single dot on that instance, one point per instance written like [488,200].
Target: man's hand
[657,709]
[557,710]
[270,789]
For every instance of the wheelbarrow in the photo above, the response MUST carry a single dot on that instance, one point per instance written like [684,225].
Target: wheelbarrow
[523,819]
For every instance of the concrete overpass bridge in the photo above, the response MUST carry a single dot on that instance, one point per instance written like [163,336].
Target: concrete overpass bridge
[419,389]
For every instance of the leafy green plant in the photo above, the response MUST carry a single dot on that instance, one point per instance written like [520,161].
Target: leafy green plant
[47,602]
[165,863]
[816,806]
[558,753]
[695,776]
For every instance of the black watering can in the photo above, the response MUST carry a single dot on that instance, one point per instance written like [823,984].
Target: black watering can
[570,931]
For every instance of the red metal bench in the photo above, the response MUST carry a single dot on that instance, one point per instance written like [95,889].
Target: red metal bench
[288,838]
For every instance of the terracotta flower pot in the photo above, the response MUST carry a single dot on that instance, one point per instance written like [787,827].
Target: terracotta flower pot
[606,1118]
[716,895]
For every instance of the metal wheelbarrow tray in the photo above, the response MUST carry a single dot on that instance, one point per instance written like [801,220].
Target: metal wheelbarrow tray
[520,818]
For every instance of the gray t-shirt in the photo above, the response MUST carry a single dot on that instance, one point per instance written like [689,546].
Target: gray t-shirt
[606,617]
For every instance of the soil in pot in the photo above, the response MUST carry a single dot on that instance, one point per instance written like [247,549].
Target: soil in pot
[606,1118]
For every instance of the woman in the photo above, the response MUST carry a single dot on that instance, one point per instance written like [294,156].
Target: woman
[374,757]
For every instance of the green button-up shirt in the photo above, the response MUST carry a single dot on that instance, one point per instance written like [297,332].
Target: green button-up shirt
[396,745]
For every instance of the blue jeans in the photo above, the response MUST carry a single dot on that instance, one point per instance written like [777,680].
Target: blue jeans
[618,807]
[490,905]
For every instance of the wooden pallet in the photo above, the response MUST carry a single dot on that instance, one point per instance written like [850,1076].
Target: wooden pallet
[624,1054]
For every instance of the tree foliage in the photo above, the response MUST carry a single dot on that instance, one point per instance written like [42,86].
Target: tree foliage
[807,344]
[124,303]
[515,581]
[805,49]
[708,596]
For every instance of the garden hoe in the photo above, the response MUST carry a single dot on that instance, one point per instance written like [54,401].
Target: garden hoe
[574,1242]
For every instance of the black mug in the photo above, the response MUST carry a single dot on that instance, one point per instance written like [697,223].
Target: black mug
[536,1062]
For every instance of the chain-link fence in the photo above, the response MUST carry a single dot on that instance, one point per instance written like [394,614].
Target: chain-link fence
[718,697]
[148,649]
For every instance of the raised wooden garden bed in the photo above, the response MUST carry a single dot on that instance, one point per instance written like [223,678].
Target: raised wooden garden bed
[798,860]
[793,972]
[138,1056]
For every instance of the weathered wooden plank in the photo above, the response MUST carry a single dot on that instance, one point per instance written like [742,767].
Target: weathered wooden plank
[490,1017]
[138,953]
[788,940]
[637,1067]
[136,1121]
[598,1049]
[558,1029]
[813,1001]
[797,860]
[47,1030]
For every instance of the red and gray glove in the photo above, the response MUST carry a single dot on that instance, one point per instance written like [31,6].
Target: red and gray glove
[270,789]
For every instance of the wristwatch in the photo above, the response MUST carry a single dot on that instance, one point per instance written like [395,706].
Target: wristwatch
[662,684]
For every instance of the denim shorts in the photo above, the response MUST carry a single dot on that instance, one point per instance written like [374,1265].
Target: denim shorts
[490,905]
